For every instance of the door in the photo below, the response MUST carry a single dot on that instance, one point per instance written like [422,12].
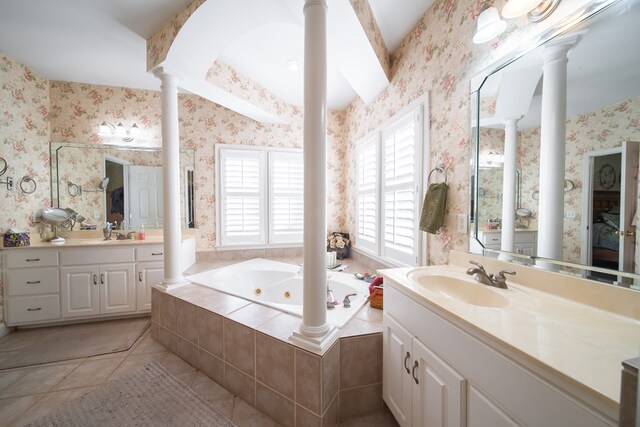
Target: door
[80,291]
[439,392]
[117,288]
[628,204]
[148,274]
[396,369]
[145,196]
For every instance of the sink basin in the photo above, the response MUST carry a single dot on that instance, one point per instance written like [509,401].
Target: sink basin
[458,288]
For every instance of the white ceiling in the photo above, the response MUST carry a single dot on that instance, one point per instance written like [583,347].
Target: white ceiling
[103,42]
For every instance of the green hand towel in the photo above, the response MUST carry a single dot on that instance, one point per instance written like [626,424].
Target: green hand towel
[433,208]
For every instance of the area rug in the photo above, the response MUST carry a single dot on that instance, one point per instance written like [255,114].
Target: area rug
[26,347]
[150,396]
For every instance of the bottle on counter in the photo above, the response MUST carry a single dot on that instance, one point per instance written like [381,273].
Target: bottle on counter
[141,234]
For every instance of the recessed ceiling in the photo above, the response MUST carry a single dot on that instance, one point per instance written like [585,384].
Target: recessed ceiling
[103,42]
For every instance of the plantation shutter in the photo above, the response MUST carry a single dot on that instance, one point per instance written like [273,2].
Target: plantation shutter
[242,196]
[367,194]
[399,148]
[286,197]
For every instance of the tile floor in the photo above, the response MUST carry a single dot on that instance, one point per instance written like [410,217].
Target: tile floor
[27,393]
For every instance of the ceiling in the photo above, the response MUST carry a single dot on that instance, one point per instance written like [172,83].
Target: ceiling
[103,42]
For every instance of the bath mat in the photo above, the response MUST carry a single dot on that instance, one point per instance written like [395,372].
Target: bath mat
[26,347]
[150,396]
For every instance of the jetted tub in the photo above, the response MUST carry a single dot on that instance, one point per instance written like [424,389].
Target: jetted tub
[279,285]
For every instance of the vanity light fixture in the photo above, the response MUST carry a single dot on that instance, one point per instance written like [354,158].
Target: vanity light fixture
[537,10]
[489,26]
[119,131]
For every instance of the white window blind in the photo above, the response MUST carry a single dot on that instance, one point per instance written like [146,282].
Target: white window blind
[242,196]
[286,197]
[367,193]
[399,184]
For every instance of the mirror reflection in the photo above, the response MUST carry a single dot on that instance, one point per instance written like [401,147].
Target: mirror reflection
[574,140]
[120,185]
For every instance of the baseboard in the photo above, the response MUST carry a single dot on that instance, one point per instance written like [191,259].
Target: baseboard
[5,330]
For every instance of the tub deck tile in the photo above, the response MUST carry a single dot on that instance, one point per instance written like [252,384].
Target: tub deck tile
[253,315]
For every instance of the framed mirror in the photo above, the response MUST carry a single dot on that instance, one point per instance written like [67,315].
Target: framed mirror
[118,184]
[583,197]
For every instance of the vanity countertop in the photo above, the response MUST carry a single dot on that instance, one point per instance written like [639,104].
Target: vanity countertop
[583,344]
[95,240]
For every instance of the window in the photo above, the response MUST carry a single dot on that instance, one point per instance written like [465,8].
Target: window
[259,196]
[388,187]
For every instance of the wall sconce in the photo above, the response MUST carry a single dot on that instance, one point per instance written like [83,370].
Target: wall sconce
[537,10]
[490,26]
[491,160]
[119,131]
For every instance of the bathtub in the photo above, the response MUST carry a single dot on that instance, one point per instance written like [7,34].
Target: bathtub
[279,285]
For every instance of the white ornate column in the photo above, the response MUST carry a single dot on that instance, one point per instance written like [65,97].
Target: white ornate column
[552,147]
[170,180]
[314,331]
[509,186]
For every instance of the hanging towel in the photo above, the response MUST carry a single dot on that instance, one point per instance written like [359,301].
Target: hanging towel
[433,208]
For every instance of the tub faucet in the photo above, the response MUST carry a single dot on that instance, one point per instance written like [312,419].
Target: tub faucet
[331,299]
[497,281]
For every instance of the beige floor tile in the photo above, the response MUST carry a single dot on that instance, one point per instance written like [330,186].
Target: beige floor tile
[90,372]
[132,363]
[38,380]
[148,346]
[9,377]
[245,415]
[186,378]
[176,366]
[378,420]
[209,389]
[49,402]
[225,406]
[12,408]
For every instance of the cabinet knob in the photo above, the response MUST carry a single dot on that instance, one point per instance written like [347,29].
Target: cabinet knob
[413,372]
[407,357]
[102,278]
[33,259]
[95,279]
[156,253]
[140,276]
[34,309]
[34,282]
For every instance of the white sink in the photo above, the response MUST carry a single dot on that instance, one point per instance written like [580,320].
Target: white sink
[458,287]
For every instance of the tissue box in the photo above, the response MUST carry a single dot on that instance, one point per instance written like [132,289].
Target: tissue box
[12,240]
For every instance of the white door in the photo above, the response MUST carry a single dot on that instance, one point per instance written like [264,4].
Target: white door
[628,204]
[396,369]
[145,196]
[80,291]
[438,391]
[117,288]
[148,274]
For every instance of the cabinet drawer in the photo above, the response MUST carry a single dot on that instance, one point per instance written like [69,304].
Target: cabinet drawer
[96,256]
[20,258]
[33,308]
[491,238]
[525,237]
[150,253]
[32,281]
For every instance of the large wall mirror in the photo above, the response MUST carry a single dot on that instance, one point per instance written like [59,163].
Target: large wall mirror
[118,184]
[574,142]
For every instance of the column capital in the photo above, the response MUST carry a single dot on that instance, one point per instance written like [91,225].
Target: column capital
[309,3]
[162,72]
[558,48]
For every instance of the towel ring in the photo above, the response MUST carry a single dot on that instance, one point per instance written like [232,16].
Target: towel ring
[26,179]
[440,169]
[3,166]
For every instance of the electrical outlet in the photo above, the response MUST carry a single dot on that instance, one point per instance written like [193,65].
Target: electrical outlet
[570,214]
[462,223]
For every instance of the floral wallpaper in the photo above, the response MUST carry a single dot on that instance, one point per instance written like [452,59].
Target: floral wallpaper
[371,29]
[24,139]
[596,130]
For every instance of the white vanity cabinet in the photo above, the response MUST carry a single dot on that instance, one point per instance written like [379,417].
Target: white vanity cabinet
[97,282]
[419,388]
[149,271]
[437,372]
[525,241]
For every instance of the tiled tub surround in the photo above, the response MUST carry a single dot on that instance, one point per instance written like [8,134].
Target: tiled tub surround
[246,348]
[279,285]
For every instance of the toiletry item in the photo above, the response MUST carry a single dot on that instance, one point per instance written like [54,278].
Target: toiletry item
[141,235]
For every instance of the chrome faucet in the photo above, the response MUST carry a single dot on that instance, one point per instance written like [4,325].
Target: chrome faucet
[480,274]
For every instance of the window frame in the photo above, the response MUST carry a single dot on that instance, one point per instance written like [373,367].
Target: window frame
[265,184]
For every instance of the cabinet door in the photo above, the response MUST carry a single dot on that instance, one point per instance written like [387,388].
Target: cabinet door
[482,412]
[438,391]
[525,248]
[148,274]
[80,291]
[396,369]
[117,288]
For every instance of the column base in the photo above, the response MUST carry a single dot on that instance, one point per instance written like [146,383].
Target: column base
[169,285]
[316,344]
